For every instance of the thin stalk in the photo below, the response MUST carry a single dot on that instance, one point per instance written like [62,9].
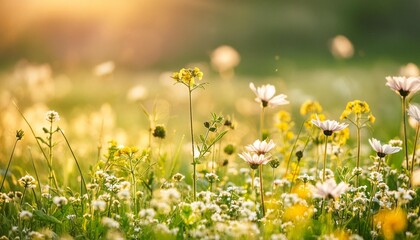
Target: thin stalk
[413,159]
[8,165]
[405,131]
[325,157]
[83,183]
[293,149]
[192,147]
[262,124]
[133,177]
[50,154]
[262,191]
[358,153]
[37,177]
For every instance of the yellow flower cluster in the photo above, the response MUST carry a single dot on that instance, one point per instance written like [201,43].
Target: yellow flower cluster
[127,151]
[188,76]
[310,107]
[358,108]
[391,221]
[341,137]
[285,123]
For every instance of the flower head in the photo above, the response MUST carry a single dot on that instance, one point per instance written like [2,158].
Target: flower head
[414,112]
[52,116]
[27,181]
[188,76]
[383,150]
[260,147]
[265,95]
[254,159]
[329,189]
[391,221]
[403,85]
[309,107]
[329,126]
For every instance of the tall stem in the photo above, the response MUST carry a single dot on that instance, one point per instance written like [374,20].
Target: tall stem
[325,157]
[405,131]
[50,154]
[262,124]
[192,146]
[262,191]
[8,165]
[413,159]
[358,151]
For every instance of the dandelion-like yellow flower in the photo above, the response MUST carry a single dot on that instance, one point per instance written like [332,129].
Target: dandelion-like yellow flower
[298,212]
[188,76]
[391,221]
[310,107]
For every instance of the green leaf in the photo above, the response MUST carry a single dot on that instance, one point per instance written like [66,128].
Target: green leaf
[40,215]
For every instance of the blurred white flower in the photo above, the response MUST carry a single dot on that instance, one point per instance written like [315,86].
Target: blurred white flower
[329,189]
[414,112]
[409,70]
[415,179]
[60,201]
[136,93]
[224,59]
[260,147]
[52,116]
[104,69]
[403,85]
[329,126]
[383,150]
[25,215]
[110,223]
[265,95]
[341,47]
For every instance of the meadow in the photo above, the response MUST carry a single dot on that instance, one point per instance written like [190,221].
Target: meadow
[193,154]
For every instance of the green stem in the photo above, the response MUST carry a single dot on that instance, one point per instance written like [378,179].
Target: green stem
[325,157]
[405,131]
[50,155]
[413,159]
[262,124]
[293,150]
[262,191]
[8,165]
[192,146]
[358,153]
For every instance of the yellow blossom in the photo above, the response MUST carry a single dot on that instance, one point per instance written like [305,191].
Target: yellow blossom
[310,107]
[357,107]
[303,191]
[391,222]
[342,136]
[298,212]
[188,76]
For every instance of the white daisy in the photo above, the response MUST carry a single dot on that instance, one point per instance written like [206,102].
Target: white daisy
[260,147]
[383,150]
[403,85]
[329,189]
[265,95]
[254,159]
[329,126]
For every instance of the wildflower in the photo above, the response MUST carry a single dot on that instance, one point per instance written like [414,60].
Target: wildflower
[178,177]
[110,223]
[391,221]
[329,189]
[414,112]
[211,177]
[188,76]
[52,116]
[265,96]
[310,107]
[25,215]
[60,201]
[99,205]
[329,126]
[404,86]
[27,181]
[229,149]
[415,178]
[19,134]
[255,160]
[297,212]
[260,147]
[358,108]
[383,150]
[159,132]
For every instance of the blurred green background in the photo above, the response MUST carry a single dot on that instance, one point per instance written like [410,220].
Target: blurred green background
[49,51]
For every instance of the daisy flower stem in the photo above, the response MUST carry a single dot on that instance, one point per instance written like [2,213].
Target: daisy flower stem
[192,146]
[358,153]
[262,123]
[262,191]
[325,157]
[405,131]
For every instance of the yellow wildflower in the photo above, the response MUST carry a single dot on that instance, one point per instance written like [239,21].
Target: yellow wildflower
[342,136]
[391,222]
[303,191]
[357,107]
[188,76]
[298,212]
[310,107]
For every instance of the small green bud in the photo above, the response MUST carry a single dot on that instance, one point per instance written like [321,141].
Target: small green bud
[229,149]
[159,132]
[275,163]
[19,134]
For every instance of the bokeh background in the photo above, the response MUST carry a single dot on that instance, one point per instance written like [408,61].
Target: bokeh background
[99,63]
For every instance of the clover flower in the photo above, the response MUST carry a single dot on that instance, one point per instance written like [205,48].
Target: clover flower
[260,147]
[265,96]
[27,181]
[329,126]
[110,223]
[254,159]
[60,201]
[403,85]
[383,150]
[329,189]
